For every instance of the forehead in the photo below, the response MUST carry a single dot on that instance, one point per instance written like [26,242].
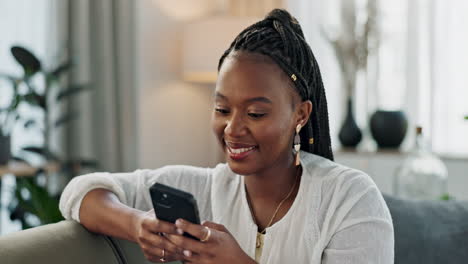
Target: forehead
[245,76]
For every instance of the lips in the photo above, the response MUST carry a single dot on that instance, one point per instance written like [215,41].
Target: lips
[236,145]
[238,151]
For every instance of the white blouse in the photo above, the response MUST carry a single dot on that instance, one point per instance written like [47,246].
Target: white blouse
[338,215]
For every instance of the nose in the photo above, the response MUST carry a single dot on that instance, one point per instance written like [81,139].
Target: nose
[235,126]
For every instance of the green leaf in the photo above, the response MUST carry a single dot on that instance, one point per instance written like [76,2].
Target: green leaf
[19,159]
[40,202]
[446,197]
[64,67]
[26,59]
[41,151]
[36,99]
[37,150]
[15,103]
[466,117]
[72,91]
[30,123]
[66,118]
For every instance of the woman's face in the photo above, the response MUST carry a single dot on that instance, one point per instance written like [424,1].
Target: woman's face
[255,113]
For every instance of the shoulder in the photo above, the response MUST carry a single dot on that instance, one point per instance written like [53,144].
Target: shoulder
[344,188]
[334,176]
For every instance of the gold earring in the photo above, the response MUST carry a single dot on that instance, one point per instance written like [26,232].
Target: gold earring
[297,145]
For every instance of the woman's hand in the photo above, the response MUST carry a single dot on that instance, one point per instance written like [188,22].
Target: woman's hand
[218,245]
[151,234]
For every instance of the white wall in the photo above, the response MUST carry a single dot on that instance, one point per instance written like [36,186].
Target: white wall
[174,116]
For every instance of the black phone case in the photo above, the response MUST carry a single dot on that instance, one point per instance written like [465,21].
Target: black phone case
[171,204]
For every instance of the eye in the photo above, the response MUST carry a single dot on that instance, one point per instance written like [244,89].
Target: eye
[222,111]
[256,115]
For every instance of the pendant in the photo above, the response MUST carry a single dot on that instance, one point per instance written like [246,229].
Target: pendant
[259,242]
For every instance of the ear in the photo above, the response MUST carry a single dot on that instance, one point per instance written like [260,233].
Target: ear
[303,112]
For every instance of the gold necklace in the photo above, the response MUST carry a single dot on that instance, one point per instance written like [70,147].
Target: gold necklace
[259,240]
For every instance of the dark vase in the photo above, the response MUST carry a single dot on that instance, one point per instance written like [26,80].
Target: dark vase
[4,149]
[388,128]
[350,135]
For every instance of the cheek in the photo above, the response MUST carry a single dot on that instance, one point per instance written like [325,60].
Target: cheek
[217,126]
[273,138]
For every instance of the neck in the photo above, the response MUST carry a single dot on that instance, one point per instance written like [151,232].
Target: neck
[273,184]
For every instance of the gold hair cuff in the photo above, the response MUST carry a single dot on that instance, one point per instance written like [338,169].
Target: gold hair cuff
[293,77]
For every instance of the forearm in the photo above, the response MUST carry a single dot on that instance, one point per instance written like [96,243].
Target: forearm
[102,212]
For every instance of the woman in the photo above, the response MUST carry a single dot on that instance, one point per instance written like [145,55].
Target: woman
[279,199]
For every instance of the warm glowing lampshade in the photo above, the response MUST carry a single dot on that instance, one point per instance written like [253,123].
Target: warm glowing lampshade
[185,10]
[204,43]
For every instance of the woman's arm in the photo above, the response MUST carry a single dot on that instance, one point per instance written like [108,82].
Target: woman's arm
[119,205]
[102,212]
[361,229]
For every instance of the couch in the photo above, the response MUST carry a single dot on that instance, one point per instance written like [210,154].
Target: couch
[425,232]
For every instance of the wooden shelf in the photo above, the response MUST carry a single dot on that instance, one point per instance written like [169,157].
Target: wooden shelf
[22,169]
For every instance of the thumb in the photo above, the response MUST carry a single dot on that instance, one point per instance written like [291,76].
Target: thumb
[215,226]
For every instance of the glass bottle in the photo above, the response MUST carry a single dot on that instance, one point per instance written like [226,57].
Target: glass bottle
[422,175]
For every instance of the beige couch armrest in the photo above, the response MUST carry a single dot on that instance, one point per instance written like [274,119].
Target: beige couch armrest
[64,242]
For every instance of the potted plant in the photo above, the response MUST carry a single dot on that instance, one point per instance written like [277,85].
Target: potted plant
[34,200]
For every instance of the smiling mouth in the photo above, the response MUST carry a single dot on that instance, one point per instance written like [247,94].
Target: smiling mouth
[239,151]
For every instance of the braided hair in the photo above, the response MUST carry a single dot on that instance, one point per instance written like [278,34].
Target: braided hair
[279,36]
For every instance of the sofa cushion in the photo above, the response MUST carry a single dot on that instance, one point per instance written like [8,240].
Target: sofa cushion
[429,231]
[64,242]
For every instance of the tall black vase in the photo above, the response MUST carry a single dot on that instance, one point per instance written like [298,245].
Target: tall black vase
[350,135]
[5,149]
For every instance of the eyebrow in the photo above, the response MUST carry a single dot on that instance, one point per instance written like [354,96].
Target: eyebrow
[250,100]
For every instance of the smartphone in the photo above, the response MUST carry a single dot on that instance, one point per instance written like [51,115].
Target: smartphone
[171,204]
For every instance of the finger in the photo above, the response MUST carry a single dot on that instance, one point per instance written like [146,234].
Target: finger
[155,225]
[167,257]
[195,258]
[190,244]
[157,253]
[215,226]
[150,241]
[195,230]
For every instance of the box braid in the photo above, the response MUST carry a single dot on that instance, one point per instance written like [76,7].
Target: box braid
[280,37]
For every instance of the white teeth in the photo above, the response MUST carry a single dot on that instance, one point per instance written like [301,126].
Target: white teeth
[240,150]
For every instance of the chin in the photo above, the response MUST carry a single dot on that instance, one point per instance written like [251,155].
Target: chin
[241,168]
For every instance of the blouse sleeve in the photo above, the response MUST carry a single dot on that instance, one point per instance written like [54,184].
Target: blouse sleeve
[361,229]
[132,189]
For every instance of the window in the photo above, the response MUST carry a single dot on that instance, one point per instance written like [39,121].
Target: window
[422,66]
[25,23]
[448,76]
